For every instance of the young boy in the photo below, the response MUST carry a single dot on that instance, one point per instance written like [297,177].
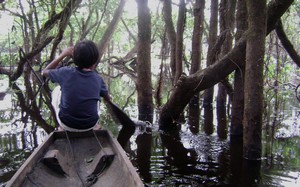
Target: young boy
[81,87]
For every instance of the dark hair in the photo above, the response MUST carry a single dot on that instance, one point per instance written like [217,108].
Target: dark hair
[85,54]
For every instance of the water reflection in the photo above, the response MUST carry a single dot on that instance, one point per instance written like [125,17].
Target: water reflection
[202,162]
[250,173]
[15,148]
[2,95]
[143,157]
[236,161]
[175,158]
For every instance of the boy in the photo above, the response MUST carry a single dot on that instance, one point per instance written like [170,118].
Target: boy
[81,87]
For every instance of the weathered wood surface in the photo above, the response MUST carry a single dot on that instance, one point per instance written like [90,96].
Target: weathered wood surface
[85,149]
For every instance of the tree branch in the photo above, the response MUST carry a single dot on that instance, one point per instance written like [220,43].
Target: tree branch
[64,19]
[186,87]
[111,28]
[36,115]
[287,44]
[28,57]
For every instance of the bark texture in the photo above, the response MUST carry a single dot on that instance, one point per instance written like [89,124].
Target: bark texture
[144,84]
[255,51]
[194,109]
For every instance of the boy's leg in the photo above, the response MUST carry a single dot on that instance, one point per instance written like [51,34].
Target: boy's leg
[56,95]
[97,127]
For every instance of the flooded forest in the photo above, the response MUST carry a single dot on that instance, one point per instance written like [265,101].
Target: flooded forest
[213,87]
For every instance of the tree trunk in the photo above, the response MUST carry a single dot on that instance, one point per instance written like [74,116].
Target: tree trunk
[211,57]
[237,112]
[194,110]
[221,112]
[276,100]
[171,34]
[227,12]
[186,87]
[255,50]
[144,84]
[179,40]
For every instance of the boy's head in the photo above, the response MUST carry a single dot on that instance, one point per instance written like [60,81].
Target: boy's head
[85,54]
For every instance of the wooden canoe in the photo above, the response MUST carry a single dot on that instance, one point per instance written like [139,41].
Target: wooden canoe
[94,158]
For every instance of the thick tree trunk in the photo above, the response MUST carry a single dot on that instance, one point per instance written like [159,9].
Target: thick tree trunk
[255,50]
[211,57]
[237,112]
[186,87]
[144,84]
[194,109]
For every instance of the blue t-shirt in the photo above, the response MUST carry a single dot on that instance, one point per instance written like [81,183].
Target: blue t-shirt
[81,91]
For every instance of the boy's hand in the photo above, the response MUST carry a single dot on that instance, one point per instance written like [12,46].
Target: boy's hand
[67,52]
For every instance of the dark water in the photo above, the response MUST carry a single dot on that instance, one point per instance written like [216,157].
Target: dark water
[178,159]
[171,158]
[184,159]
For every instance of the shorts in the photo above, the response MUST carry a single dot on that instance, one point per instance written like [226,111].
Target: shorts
[56,95]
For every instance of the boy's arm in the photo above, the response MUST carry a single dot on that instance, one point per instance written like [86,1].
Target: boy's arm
[66,52]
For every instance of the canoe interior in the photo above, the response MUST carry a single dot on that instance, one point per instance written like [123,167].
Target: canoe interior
[77,165]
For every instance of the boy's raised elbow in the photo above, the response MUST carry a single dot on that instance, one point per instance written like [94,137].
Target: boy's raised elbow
[45,72]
